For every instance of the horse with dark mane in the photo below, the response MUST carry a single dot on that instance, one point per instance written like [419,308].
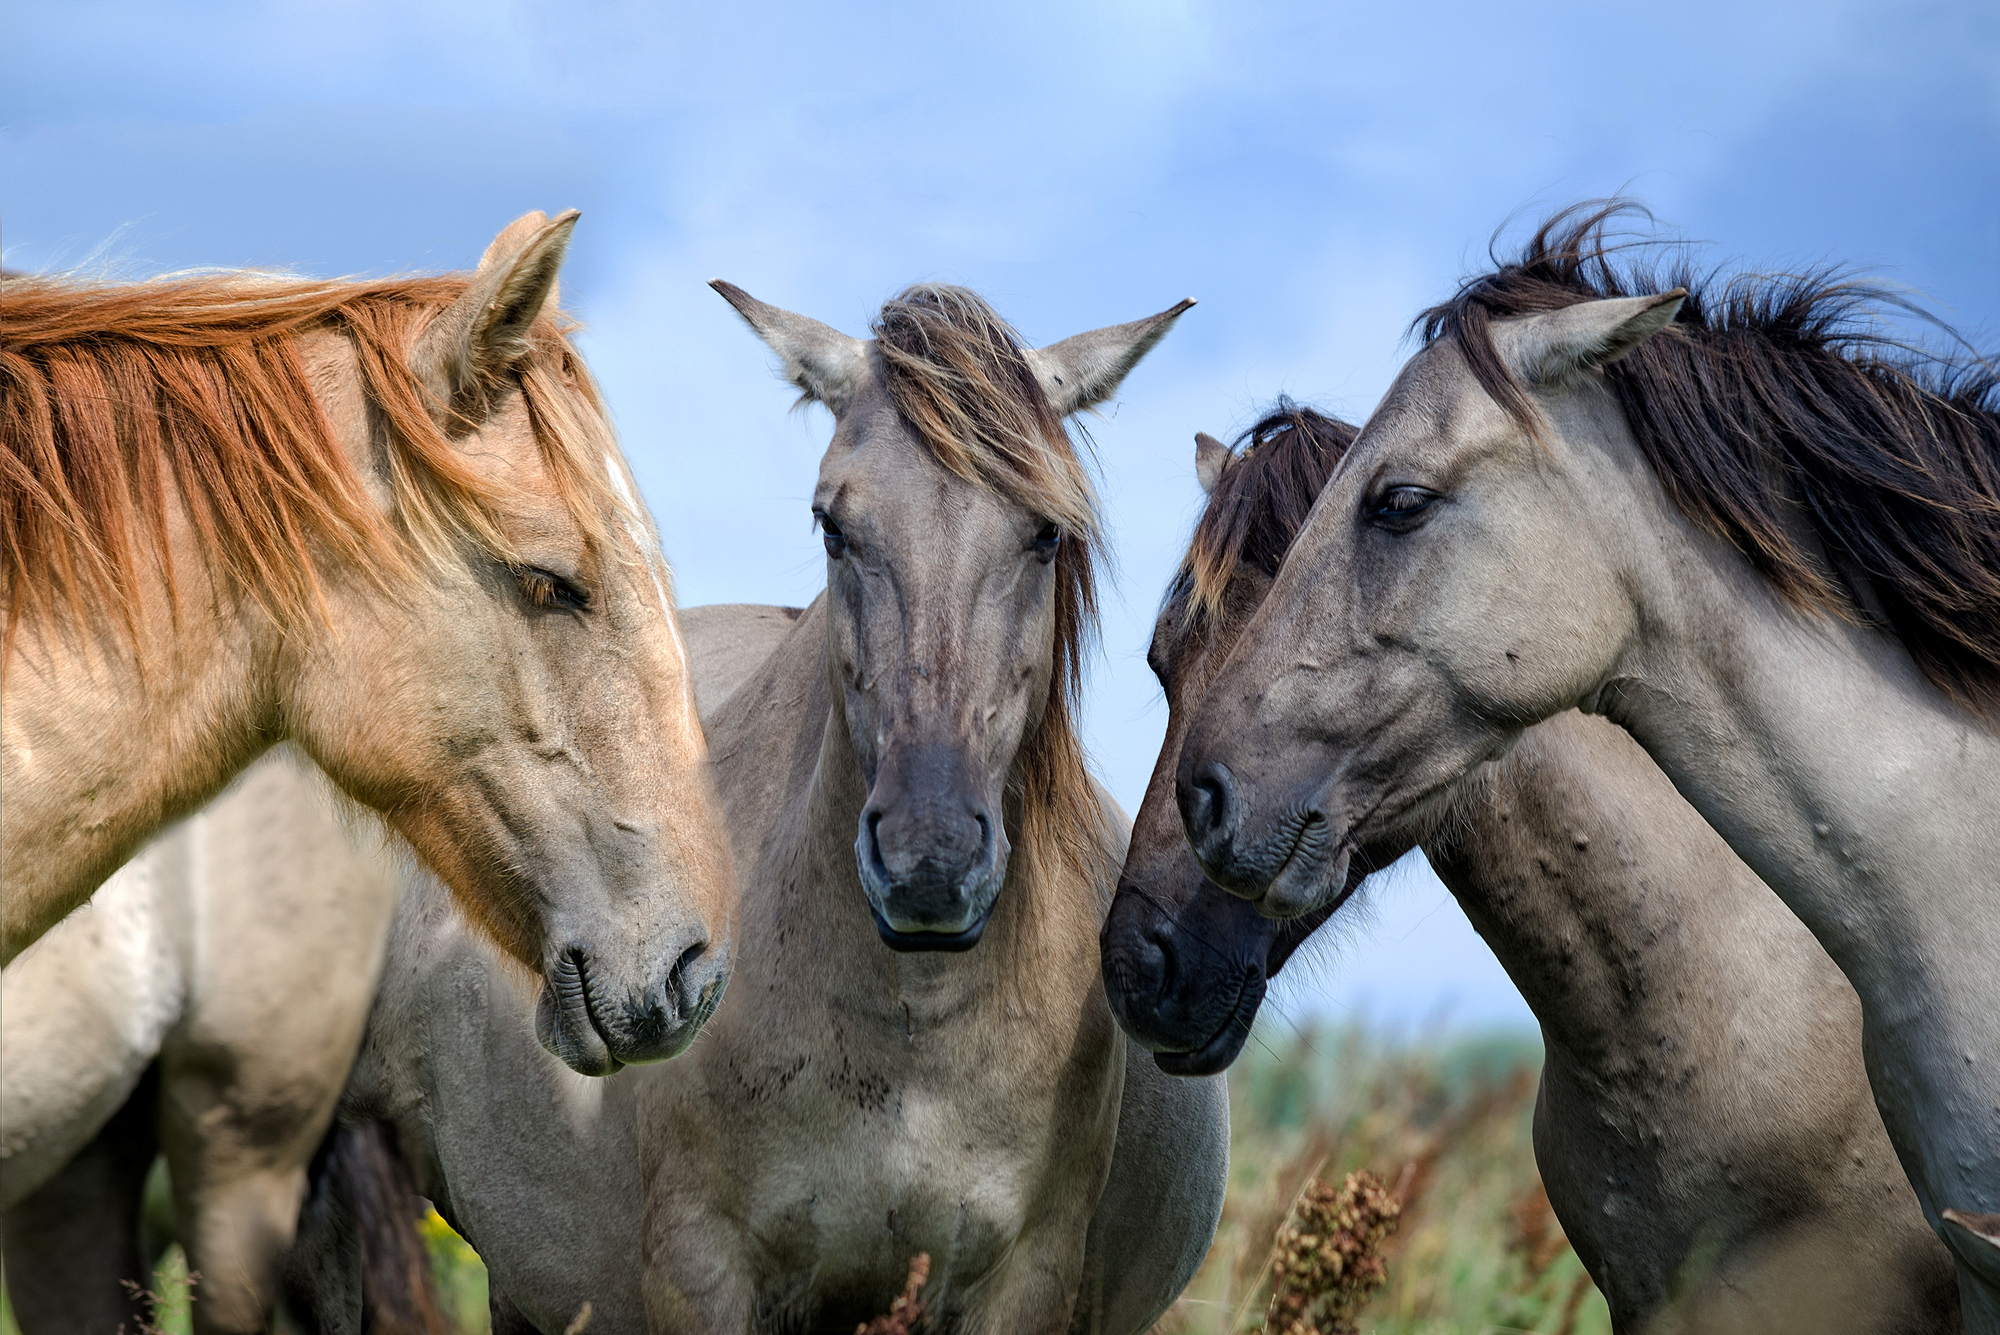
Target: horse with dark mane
[1729,516]
[1702,1099]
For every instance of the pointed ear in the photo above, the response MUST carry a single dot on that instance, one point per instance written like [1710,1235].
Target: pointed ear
[512,237]
[1547,349]
[1084,371]
[479,338]
[824,363]
[1210,457]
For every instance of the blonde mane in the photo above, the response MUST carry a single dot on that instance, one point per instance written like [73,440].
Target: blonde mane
[960,379]
[121,400]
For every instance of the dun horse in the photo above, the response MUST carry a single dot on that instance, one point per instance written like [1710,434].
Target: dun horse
[206,1003]
[1704,1125]
[916,1054]
[1726,519]
[387,520]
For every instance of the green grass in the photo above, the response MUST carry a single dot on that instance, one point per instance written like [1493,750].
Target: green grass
[1444,1122]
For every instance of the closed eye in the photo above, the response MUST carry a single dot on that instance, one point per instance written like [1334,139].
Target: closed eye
[545,588]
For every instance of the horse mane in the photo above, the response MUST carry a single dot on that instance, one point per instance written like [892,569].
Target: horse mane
[1776,401]
[121,399]
[1274,473]
[960,379]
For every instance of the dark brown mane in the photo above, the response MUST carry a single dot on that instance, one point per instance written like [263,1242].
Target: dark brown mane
[959,378]
[122,400]
[1267,488]
[1774,403]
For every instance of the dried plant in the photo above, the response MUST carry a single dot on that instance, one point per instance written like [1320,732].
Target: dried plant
[177,1286]
[1327,1260]
[906,1311]
[1538,1237]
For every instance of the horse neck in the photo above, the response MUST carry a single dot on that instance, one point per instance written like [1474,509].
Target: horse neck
[1844,778]
[1861,794]
[1610,902]
[105,743]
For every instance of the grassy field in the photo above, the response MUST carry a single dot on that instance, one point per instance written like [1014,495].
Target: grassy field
[1445,1123]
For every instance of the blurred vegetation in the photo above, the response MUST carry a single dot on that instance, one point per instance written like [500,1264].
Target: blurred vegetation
[1447,1124]
[1444,1122]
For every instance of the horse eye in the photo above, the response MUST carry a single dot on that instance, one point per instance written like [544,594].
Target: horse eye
[545,588]
[836,541]
[1047,540]
[1398,506]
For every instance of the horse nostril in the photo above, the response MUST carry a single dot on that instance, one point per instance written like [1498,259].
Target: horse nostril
[1209,800]
[680,990]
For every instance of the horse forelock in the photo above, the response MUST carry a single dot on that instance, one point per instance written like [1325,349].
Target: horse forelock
[119,393]
[1275,471]
[1775,408]
[960,379]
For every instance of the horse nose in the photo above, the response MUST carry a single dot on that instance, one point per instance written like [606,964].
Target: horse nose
[927,851]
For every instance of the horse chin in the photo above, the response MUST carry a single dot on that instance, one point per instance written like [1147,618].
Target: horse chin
[1223,1046]
[564,1025]
[917,942]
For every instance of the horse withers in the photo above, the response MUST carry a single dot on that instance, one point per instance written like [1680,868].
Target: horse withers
[1704,1125]
[387,520]
[1729,518]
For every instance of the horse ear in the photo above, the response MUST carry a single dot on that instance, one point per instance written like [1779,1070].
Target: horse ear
[1210,455]
[479,338]
[1084,371]
[824,363]
[1549,348]
[512,237]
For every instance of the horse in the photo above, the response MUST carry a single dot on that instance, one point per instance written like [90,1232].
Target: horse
[1703,1101]
[207,1002]
[915,1055]
[387,520]
[1729,517]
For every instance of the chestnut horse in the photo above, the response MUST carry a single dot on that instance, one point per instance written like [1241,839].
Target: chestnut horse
[387,520]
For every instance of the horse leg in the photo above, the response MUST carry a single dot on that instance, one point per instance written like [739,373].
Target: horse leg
[74,1244]
[1161,1205]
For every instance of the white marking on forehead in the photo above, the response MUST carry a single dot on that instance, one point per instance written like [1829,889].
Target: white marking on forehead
[656,563]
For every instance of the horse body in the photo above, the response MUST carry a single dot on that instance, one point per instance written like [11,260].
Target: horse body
[388,521]
[915,1055]
[856,1106]
[236,957]
[1704,1125]
[1502,544]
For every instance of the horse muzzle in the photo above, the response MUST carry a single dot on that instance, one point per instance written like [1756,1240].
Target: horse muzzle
[1295,867]
[596,1028]
[1188,996]
[931,870]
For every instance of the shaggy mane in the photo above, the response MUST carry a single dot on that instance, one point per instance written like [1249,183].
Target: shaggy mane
[122,401]
[959,377]
[1857,474]
[1274,473]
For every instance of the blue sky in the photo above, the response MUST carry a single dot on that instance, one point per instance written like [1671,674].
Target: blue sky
[1312,173]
